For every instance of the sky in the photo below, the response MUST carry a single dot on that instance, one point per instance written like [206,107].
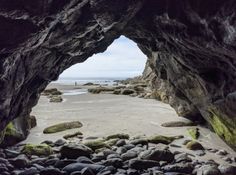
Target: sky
[122,58]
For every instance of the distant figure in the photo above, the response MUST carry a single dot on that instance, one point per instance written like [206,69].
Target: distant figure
[75,83]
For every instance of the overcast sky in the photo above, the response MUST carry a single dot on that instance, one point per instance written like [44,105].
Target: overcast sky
[121,59]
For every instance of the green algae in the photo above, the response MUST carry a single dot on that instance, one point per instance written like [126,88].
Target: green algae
[194,133]
[62,127]
[38,150]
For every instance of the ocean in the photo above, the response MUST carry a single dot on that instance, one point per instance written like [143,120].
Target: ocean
[83,80]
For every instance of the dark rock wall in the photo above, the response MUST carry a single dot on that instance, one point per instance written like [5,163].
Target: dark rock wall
[190,45]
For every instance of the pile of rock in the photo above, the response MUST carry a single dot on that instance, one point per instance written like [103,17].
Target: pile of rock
[117,155]
[53,94]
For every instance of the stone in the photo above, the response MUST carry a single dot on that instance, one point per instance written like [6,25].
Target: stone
[179,167]
[142,141]
[121,142]
[11,153]
[208,170]
[190,52]
[157,155]
[39,150]
[62,163]
[129,155]
[227,169]
[87,171]
[59,142]
[96,144]
[79,166]
[50,171]
[193,145]
[30,171]
[51,91]
[73,151]
[118,136]
[97,90]
[222,152]
[163,139]
[20,161]
[83,159]
[127,91]
[76,134]
[62,127]
[178,124]
[142,164]
[115,162]
[55,99]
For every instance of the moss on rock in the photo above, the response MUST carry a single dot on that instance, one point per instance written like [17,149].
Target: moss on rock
[194,133]
[111,142]
[76,134]
[118,136]
[163,139]
[38,150]
[62,127]
[55,99]
[96,144]
[224,127]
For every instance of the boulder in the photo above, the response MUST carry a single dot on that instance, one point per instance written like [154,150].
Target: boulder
[62,127]
[73,151]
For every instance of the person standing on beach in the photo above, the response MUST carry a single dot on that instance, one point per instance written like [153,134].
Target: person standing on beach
[75,83]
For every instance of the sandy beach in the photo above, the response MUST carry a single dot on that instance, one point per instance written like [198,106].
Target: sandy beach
[105,114]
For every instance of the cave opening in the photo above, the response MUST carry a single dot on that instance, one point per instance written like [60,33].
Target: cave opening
[97,93]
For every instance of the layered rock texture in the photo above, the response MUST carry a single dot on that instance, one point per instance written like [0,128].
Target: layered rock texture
[191,46]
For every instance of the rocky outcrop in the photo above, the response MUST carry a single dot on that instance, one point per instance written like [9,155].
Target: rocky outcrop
[190,45]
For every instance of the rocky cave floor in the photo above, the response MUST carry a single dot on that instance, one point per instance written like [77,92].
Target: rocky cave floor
[117,154]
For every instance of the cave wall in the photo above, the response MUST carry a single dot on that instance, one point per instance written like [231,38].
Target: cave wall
[190,45]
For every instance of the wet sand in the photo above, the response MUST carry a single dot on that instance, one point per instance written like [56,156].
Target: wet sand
[105,114]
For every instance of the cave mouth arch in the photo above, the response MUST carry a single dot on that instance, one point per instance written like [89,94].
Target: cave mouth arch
[171,34]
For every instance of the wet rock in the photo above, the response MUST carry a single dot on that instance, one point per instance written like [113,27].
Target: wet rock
[20,161]
[222,152]
[208,170]
[129,155]
[59,142]
[73,151]
[163,139]
[83,159]
[30,171]
[127,91]
[50,171]
[118,136]
[87,171]
[227,169]
[62,163]
[115,162]
[193,145]
[76,134]
[11,153]
[39,150]
[120,142]
[142,141]
[55,99]
[157,155]
[142,164]
[178,124]
[179,167]
[62,127]
[96,144]
[51,91]
[79,166]
[182,157]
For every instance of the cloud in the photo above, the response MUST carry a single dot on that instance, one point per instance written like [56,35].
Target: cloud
[122,58]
